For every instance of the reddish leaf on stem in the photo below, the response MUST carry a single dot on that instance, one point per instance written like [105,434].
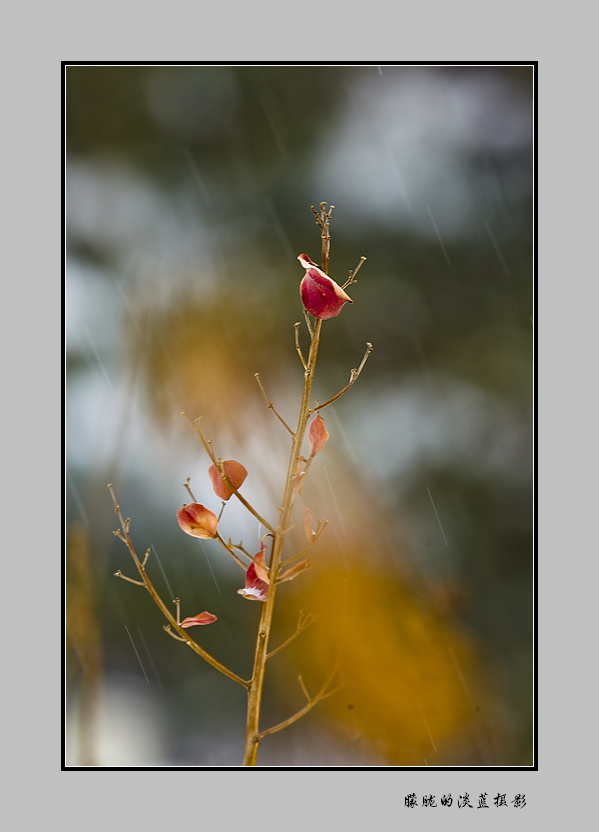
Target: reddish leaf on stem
[317,434]
[202,618]
[235,473]
[321,296]
[198,521]
[256,579]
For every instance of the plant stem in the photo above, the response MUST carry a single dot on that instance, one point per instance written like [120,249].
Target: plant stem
[260,657]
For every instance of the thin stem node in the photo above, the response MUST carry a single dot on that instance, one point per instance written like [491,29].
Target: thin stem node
[297,344]
[270,404]
[353,377]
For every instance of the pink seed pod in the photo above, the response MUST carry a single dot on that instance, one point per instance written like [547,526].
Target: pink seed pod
[256,578]
[321,296]
[235,473]
[202,618]
[317,434]
[198,521]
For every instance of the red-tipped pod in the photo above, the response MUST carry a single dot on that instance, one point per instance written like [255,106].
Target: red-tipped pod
[321,296]
[317,434]
[202,618]
[234,472]
[198,521]
[256,589]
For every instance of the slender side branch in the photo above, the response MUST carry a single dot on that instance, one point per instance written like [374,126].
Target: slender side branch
[353,377]
[302,624]
[207,443]
[147,583]
[270,404]
[297,344]
[310,330]
[317,534]
[323,693]
[300,679]
[352,275]
[167,629]
[119,574]
[229,547]
[188,487]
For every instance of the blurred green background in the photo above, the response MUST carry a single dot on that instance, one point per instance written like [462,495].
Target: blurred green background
[188,194]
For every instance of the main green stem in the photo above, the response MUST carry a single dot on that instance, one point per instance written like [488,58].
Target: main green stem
[257,682]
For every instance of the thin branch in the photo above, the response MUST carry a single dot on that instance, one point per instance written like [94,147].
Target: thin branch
[187,486]
[322,694]
[119,574]
[167,629]
[306,694]
[302,624]
[353,377]
[297,344]
[207,443]
[315,537]
[352,275]
[147,583]
[241,548]
[310,330]
[270,404]
[229,547]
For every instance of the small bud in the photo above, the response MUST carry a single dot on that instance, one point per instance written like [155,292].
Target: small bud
[198,521]
[317,434]
[256,589]
[202,618]
[234,472]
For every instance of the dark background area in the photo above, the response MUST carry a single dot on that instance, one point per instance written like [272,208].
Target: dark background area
[188,194]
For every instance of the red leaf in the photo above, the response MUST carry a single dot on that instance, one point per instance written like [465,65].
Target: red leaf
[198,521]
[234,472]
[202,618]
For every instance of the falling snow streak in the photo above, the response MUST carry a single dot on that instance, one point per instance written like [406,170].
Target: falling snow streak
[197,177]
[344,437]
[334,496]
[460,674]
[437,515]
[77,500]
[504,266]
[99,361]
[137,654]
[426,725]
[150,659]
[430,213]
[210,568]
[168,586]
